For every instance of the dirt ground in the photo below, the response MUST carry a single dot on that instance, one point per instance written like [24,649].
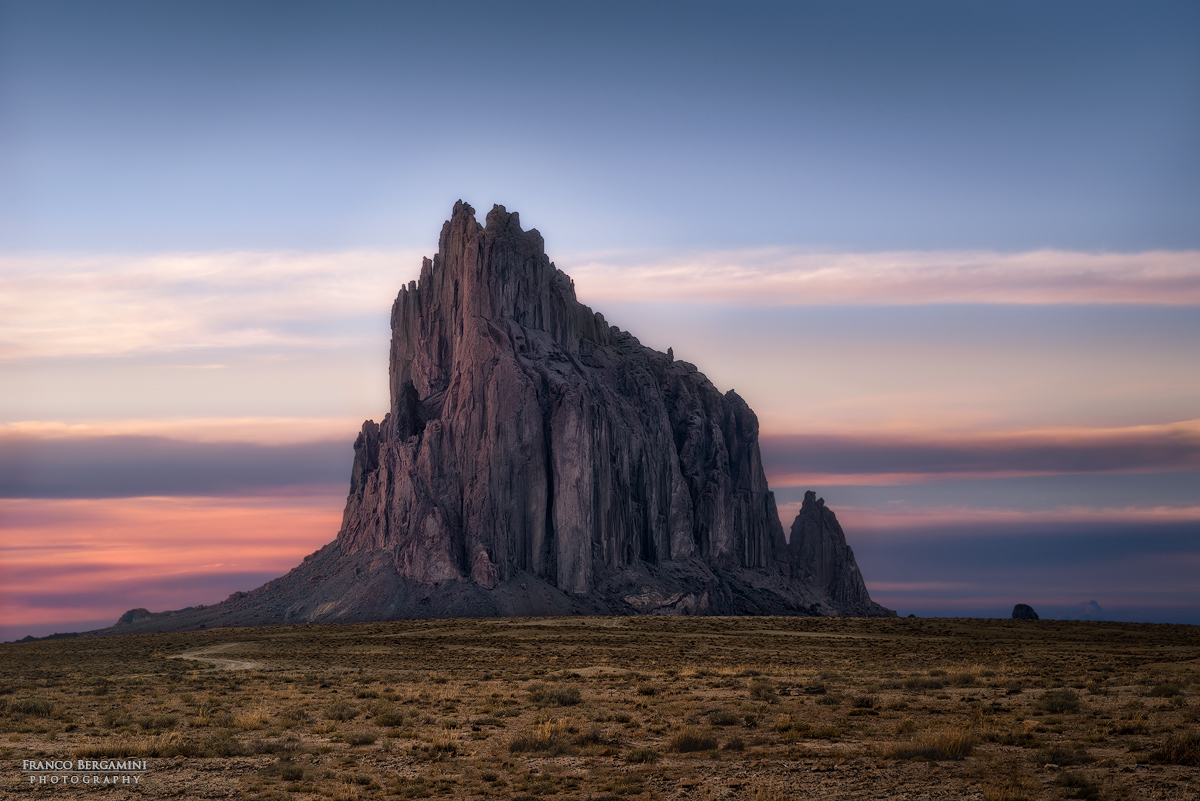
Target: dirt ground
[613,708]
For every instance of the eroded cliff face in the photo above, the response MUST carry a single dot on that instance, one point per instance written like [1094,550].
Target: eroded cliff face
[526,434]
[537,461]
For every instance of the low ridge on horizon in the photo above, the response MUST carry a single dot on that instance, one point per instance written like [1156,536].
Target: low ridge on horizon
[536,460]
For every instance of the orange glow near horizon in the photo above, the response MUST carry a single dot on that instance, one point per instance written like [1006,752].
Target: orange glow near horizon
[89,559]
[252,430]
[66,561]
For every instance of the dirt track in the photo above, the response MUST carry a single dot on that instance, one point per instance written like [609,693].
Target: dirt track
[202,655]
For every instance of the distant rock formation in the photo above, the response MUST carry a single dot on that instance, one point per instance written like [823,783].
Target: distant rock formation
[537,460]
[818,544]
[134,615]
[1024,612]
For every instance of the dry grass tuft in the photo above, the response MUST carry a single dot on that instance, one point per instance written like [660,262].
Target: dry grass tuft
[252,719]
[551,737]
[341,710]
[171,744]
[642,756]
[763,690]
[33,707]
[1077,786]
[770,791]
[723,717]
[1181,748]
[346,791]
[1012,789]
[690,739]
[1058,701]
[544,695]
[937,746]
[1165,689]
[387,715]
[1060,754]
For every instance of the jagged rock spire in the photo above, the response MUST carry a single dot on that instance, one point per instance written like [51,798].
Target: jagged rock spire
[818,543]
[526,435]
[536,460]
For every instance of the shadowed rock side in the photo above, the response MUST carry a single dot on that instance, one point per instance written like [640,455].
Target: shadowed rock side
[1024,612]
[818,543]
[536,460]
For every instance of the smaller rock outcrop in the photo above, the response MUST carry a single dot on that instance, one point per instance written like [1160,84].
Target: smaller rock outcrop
[134,615]
[1024,612]
[818,542]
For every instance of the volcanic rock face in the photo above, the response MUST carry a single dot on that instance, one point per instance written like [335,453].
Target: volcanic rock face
[526,435]
[536,460]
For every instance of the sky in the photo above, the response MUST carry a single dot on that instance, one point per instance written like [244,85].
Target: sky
[949,252]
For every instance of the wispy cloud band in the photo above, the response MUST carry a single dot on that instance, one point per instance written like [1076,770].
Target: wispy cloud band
[64,304]
[881,457]
[203,457]
[780,276]
[126,466]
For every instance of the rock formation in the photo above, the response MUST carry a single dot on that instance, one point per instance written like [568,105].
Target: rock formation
[818,544]
[1024,612]
[537,460]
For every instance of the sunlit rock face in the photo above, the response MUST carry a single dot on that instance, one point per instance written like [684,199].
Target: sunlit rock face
[526,436]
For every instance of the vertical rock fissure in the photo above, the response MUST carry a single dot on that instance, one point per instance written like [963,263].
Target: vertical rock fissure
[549,541]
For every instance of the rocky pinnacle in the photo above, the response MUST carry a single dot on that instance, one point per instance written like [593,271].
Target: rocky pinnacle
[527,435]
[536,460]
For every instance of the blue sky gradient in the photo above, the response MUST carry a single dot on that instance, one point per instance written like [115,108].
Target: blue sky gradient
[863,125]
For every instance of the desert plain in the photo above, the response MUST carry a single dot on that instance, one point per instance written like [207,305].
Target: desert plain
[610,709]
